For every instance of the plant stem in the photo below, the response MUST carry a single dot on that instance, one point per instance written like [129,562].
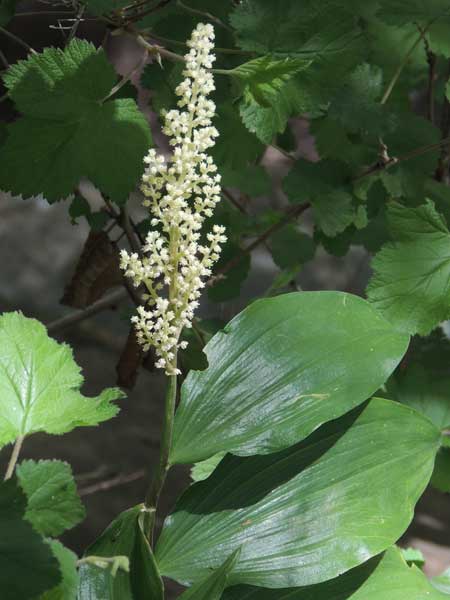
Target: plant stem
[109,301]
[159,478]
[17,39]
[405,60]
[207,15]
[14,457]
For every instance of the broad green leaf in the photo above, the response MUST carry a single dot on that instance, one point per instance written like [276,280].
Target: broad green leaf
[291,247]
[441,474]
[39,384]
[124,537]
[422,390]
[334,212]
[325,185]
[381,578]
[288,28]
[236,146]
[253,180]
[276,374]
[413,556]
[442,582]
[310,512]
[53,503]
[267,103]
[146,582]
[213,585]
[62,96]
[356,105]
[27,565]
[399,11]
[203,470]
[329,33]
[411,281]
[67,589]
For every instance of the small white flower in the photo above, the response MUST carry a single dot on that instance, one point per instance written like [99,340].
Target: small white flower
[181,193]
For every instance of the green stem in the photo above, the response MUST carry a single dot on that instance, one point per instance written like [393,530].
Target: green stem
[14,457]
[403,63]
[159,478]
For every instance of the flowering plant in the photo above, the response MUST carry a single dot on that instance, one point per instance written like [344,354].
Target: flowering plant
[312,422]
[180,195]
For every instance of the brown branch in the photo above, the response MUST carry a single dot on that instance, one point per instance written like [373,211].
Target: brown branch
[291,214]
[109,301]
[107,484]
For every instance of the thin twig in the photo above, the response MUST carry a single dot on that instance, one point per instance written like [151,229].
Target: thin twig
[205,15]
[107,484]
[126,78]
[4,60]
[291,214]
[14,457]
[381,166]
[404,62]
[18,40]
[109,301]
[75,26]
[179,43]
[154,49]
[432,62]
[37,13]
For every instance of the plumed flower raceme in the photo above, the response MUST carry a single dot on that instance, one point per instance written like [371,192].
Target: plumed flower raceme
[180,193]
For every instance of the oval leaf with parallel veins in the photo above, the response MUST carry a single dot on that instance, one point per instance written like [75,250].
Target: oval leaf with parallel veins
[309,513]
[280,369]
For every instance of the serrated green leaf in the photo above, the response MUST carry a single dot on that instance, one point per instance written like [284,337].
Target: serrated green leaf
[382,578]
[235,147]
[269,384]
[27,565]
[424,391]
[254,180]
[356,105]
[411,281]
[306,510]
[399,11]
[123,537]
[67,589]
[40,381]
[61,95]
[291,247]
[325,185]
[53,502]
[213,585]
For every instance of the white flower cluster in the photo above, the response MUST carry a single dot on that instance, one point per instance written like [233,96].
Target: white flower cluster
[180,193]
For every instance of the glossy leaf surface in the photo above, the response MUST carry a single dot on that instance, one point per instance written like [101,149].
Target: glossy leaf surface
[308,513]
[385,578]
[279,370]
[40,382]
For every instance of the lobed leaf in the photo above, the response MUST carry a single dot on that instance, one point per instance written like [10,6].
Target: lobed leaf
[39,384]
[411,281]
[53,503]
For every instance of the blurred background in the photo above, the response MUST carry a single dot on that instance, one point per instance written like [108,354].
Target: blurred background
[39,250]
